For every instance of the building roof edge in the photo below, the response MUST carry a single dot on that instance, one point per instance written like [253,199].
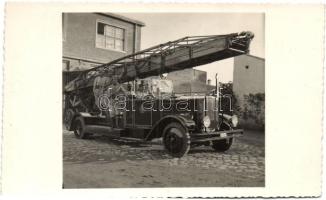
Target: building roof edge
[133,21]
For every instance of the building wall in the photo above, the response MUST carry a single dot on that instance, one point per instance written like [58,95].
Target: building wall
[249,89]
[248,75]
[79,40]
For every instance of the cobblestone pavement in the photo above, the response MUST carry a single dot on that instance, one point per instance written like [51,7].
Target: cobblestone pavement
[243,162]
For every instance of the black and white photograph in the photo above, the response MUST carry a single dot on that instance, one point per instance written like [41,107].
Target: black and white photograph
[163,100]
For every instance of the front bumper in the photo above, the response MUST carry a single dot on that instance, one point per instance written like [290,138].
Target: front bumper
[217,135]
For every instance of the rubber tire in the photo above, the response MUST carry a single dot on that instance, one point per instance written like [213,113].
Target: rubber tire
[69,114]
[222,145]
[185,139]
[79,128]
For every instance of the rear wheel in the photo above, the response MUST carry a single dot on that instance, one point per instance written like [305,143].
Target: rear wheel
[176,140]
[79,129]
[69,113]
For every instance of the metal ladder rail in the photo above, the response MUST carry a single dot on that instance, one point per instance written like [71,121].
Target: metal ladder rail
[163,50]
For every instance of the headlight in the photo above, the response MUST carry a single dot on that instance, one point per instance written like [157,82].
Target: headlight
[234,121]
[206,121]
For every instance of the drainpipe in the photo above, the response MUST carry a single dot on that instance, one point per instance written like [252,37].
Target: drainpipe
[135,37]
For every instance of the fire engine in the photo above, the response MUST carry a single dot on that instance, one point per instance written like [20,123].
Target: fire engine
[130,97]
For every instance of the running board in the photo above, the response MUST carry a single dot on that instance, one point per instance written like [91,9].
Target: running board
[103,130]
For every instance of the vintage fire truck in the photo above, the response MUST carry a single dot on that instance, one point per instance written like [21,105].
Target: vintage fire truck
[140,103]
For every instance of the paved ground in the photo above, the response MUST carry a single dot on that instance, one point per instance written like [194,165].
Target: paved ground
[101,162]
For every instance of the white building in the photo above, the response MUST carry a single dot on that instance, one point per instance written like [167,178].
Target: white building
[249,89]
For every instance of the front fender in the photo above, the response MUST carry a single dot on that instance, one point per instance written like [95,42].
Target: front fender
[225,122]
[157,128]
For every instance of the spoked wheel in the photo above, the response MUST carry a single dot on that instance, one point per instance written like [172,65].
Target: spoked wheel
[176,140]
[80,128]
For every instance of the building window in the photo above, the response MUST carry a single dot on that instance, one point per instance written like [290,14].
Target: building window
[110,37]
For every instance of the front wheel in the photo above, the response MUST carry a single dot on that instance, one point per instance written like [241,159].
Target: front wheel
[176,140]
[225,144]
[222,145]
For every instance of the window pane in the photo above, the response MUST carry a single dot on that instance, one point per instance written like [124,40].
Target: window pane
[109,31]
[119,44]
[100,28]
[100,41]
[110,37]
[109,43]
[119,33]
